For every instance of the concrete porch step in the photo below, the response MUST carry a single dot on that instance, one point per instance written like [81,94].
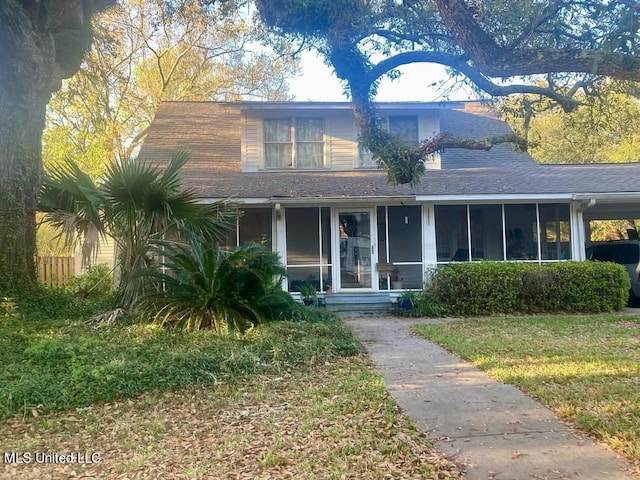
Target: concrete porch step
[359,303]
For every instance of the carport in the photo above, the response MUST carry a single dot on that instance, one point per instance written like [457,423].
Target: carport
[607,206]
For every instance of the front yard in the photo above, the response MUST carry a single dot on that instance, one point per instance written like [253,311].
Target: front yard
[287,400]
[585,368]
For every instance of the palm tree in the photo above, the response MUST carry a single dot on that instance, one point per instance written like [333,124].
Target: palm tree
[136,204]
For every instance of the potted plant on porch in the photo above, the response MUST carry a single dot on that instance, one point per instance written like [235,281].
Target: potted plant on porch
[407,300]
[308,293]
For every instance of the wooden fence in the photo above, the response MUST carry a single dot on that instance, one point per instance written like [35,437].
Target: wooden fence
[54,271]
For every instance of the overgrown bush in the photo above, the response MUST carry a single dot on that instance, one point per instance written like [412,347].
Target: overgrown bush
[479,288]
[493,288]
[427,304]
[51,303]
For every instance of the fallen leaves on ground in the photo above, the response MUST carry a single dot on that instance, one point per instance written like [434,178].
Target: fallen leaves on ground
[335,422]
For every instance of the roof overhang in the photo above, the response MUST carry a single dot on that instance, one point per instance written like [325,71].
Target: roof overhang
[503,198]
[600,198]
[609,197]
[344,105]
[312,200]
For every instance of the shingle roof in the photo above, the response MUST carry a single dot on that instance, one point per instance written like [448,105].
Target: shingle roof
[478,123]
[210,133]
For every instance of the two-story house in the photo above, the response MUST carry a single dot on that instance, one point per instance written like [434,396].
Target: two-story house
[310,193]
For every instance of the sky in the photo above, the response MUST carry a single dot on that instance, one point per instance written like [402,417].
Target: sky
[317,82]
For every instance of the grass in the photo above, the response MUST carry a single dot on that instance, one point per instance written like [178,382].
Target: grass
[331,421]
[286,400]
[586,369]
[53,365]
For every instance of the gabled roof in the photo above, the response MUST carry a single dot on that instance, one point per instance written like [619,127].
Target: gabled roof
[210,133]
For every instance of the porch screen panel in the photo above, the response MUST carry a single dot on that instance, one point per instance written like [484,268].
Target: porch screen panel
[384,278]
[300,275]
[452,240]
[278,146]
[405,234]
[382,235]
[521,232]
[405,244]
[303,243]
[230,240]
[410,275]
[255,226]
[555,232]
[486,232]
[309,142]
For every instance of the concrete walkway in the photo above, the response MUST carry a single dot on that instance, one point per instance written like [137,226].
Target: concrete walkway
[491,429]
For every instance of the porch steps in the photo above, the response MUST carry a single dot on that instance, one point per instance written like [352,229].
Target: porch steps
[347,304]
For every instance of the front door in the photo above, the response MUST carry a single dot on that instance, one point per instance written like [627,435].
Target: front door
[356,249]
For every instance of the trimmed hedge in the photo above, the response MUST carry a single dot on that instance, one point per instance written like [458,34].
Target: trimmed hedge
[490,288]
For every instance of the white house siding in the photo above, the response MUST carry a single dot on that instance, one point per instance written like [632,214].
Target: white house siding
[251,144]
[106,255]
[342,144]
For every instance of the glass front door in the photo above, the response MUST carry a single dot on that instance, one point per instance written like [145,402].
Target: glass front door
[356,249]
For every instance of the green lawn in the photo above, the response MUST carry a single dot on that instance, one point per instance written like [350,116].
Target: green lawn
[585,368]
[286,400]
[51,365]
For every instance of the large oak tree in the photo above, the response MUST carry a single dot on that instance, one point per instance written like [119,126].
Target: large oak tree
[41,42]
[554,48]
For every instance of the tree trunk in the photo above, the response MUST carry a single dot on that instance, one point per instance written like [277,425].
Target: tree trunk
[40,44]
[26,77]
[20,176]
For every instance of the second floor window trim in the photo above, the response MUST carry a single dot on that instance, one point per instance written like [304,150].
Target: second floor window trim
[293,142]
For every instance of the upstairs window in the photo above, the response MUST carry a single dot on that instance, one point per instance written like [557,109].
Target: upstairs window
[404,126]
[278,147]
[295,143]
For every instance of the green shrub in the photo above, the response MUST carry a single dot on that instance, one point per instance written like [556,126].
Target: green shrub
[479,288]
[96,282]
[575,287]
[8,308]
[490,288]
[52,303]
[427,304]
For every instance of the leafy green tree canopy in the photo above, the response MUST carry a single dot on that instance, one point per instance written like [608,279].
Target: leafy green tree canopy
[602,129]
[501,48]
[148,51]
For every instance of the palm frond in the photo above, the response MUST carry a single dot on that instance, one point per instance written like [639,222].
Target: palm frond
[72,204]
